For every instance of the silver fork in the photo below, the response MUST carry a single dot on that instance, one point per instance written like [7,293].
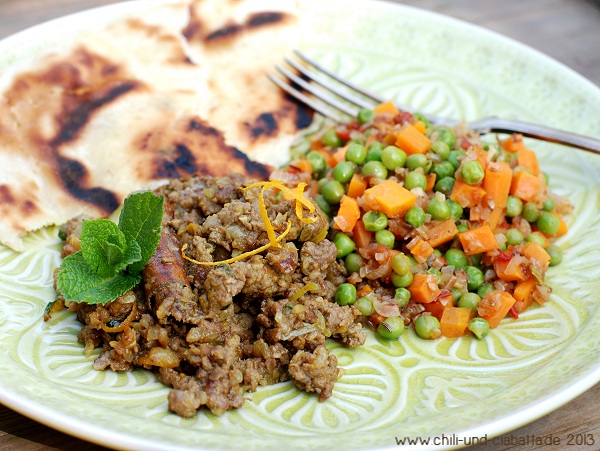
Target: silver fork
[368,99]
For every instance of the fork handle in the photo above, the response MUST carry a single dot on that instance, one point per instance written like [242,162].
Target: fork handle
[541,132]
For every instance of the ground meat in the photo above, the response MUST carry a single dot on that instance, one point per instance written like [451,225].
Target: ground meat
[215,332]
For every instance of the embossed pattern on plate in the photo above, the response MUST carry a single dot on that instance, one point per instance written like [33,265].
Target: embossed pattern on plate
[410,387]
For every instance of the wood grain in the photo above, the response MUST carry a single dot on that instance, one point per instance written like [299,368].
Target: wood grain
[567,30]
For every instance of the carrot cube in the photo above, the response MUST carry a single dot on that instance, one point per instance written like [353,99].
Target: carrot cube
[411,140]
[478,240]
[348,214]
[454,321]
[424,288]
[390,198]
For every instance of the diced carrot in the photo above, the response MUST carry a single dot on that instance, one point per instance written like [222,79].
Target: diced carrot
[513,143]
[390,198]
[357,186]
[496,216]
[496,183]
[338,156]
[510,273]
[534,251]
[523,294]
[421,250]
[390,138]
[526,186]
[495,306]
[364,291]
[386,107]
[430,182]
[481,156]
[420,126]
[348,214]
[478,240]
[467,195]
[424,288]
[361,236]
[562,228]
[442,233]
[437,307]
[454,321]
[300,165]
[528,159]
[411,140]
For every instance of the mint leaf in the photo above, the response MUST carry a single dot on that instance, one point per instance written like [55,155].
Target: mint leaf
[140,221]
[102,245]
[78,282]
[132,254]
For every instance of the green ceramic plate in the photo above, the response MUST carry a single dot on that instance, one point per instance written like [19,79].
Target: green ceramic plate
[410,387]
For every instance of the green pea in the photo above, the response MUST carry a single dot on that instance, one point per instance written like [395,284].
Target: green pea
[456,257]
[531,212]
[393,157]
[436,273]
[514,206]
[480,327]
[462,227]
[421,118]
[374,154]
[402,296]
[475,259]
[386,238]
[365,115]
[317,162]
[391,328]
[331,139]
[427,327]
[417,160]
[353,262]
[415,216]
[456,294]
[514,237]
[365,306]
[547,223]
[343,244]
[555,253]
[375,146]
[321,183]
[472,172]
[343,172]
[455,209]
[375,221]
[475,276]
[401,264]
[415,179]
[438,209]
[485,289]
[441,149]
[470,300]
[356,153]
[549,204]
[333,191]
[323,204]
[375,168]
[445,185]
[345,294]
[536,237]
[455,157]
[443,169]
[447,135]
[402,281]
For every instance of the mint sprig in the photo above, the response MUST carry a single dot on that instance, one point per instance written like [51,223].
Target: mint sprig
[113,256]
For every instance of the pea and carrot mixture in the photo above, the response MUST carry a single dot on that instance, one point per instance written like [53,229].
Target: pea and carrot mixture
[435,228]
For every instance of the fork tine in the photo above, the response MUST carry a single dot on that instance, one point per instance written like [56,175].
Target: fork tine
[330,86]
[333,75]
[319,108]
[317,92]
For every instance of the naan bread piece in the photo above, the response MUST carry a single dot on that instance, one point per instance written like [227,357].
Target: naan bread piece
[128,106]
[228,43]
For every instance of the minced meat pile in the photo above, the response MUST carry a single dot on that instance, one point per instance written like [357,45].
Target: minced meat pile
[215,332]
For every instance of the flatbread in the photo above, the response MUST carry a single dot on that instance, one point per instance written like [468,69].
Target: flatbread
[174,90]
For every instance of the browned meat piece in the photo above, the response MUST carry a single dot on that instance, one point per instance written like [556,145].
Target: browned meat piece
[315,371]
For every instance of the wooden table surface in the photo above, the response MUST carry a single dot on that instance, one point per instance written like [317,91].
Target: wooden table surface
[567,30]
